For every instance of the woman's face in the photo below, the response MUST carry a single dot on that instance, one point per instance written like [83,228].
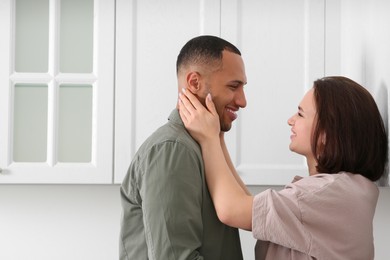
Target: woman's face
[302,124]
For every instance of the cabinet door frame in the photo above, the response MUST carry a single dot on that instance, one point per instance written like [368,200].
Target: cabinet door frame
[259,172]
[100,169]
[204,18]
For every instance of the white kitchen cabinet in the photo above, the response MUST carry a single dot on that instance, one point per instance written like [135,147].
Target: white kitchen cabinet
[282,44]
[150,35]
[74,114]
[56,95]
[84,83]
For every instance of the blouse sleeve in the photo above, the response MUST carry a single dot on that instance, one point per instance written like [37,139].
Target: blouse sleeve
[277,217]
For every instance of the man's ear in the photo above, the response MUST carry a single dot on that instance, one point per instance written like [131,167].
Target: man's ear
[194,82]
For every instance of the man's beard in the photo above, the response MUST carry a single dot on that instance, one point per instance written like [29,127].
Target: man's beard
[224,127]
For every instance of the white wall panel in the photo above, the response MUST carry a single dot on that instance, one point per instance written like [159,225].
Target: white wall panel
[150,35]
[282,44]
[364,50]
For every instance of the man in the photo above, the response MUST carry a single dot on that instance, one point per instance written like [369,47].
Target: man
[167,210]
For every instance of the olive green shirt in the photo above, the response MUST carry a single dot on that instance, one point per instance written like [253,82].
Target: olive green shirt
[167,209]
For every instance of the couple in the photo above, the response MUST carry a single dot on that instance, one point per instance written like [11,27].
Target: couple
[183,199]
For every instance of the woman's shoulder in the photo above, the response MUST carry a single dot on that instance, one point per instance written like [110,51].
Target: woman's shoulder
[331,183]
[314,183]
[316,180]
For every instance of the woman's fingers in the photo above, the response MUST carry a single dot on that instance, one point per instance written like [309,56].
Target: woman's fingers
[192,103]
[201,122]
[183,111]
[193,99]
[210,105]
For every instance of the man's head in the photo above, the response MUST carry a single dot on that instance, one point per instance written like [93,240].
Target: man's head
[208,64]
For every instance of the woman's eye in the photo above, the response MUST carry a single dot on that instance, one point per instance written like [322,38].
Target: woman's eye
[299,114]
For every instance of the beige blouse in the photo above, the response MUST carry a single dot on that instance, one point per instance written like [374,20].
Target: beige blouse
[324,216]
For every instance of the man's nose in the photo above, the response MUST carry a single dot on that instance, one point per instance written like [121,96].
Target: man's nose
[241,99]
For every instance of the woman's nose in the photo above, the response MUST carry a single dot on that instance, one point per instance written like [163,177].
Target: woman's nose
[290,121]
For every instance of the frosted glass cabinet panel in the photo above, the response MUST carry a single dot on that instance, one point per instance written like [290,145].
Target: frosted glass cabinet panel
[56,95]
[31,35]
[30,123]
[76,36]
[75,123]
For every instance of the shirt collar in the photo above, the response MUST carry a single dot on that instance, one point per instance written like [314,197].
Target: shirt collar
[297,178]
[175,118]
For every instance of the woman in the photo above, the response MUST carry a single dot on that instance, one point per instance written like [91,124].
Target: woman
[326,215]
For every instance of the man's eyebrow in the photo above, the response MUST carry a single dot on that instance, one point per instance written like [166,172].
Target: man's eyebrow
[239,82]
[300,108]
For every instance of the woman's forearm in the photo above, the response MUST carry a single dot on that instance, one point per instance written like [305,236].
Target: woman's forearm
[233,205]
[231,165]
[231,201]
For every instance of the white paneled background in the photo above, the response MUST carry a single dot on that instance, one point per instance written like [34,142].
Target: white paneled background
[285,46]
[283,53]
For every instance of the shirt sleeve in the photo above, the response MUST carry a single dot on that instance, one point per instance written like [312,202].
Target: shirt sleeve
[277,218]
[171,191]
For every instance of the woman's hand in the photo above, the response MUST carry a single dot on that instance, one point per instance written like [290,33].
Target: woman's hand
[201,122]
[232,201]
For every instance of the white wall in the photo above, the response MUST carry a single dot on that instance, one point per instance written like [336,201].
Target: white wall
[363,31]
[47,222]
[81,222]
